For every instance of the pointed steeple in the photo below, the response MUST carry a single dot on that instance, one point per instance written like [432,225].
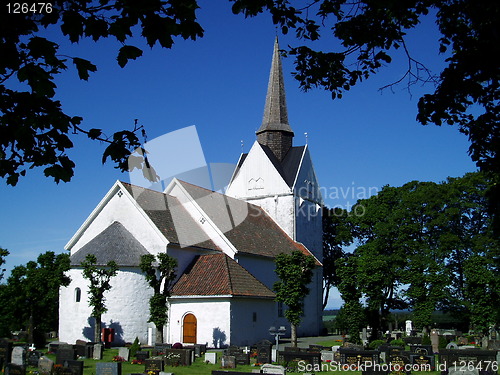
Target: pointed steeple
[275,131]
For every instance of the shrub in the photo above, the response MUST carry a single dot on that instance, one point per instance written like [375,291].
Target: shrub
[426,340]
[398,343]
[135,347]
[375,344]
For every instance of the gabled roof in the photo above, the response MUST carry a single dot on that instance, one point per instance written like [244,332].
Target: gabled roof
[113,243]
[288,168]
[218,275]
[159,207]
[257,234]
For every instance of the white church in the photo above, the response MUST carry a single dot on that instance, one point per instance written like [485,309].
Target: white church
[225,245]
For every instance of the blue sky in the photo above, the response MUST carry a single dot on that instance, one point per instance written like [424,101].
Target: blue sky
[218,83]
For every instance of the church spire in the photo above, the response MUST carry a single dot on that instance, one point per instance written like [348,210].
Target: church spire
[275,131]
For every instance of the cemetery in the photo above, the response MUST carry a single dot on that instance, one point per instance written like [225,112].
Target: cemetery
[397,355]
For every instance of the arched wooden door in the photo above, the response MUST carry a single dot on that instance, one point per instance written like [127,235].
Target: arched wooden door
[189,329]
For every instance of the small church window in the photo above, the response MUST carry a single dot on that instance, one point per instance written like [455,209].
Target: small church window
[78,294]
[254,317]
[280,310]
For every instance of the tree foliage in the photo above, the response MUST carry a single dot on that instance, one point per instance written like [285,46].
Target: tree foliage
[100,282]
[3,254]
[37,133]
[295,271]
[424,246]
[337,234]
[159,272]
[35,130]
[32,290]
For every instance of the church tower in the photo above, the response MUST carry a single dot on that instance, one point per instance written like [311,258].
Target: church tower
[275,131]
[278,176]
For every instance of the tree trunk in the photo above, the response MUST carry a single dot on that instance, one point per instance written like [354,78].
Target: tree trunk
[294,335]
[97,329]
[159,335]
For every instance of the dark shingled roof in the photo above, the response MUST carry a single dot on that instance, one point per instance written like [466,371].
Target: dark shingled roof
[216,275]
[159,207]
[288,168]
[113,243]
[257,234]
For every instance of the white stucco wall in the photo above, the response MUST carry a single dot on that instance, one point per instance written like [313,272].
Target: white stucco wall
[122,209]
[127,303]
[246,331]
[263,269]
[212,315]
[257,177]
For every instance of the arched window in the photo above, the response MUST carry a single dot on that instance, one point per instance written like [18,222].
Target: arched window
[78,294]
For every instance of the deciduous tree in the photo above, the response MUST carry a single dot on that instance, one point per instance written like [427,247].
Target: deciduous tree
[99,278]
[295,271]
[32,291]
[159,272]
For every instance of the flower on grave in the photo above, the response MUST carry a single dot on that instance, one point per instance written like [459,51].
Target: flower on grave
[137,362]
[151,373]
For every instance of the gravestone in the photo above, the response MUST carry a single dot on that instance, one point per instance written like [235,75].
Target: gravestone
[421,349]
[124,353]
[316,348]
[350,345]
[76,367]
[467,359]
[424,362]
[242,359]
[154,365]
[327,356]
[5,351]
[45,365]
[228,361]
[264,351]
[18,356]
[65,354]
[32,358]
[200,349]
[359,357]
[81,348]
[211,358]
[13,369]
[108,368]
[141,356]
[463,371]
[435,341]
[272,369]
[97,351]
[177,357]
[309,358]
[232,350]
[89,350]
[397,364]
